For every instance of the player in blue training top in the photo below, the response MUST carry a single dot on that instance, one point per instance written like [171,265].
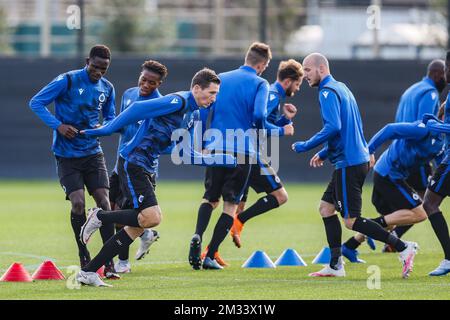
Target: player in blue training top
[438,189]
[152,75]
[138,164]
[241,107]
[279,116]
[347,150]
[80,96]
[419,99]
[398,203]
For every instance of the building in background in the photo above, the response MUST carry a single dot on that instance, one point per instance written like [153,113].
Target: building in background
[339,28]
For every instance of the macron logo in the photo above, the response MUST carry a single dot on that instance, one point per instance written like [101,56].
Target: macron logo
[272,97]
[81,91]
[325,94]
[128,102]
[433,95]
[175,100]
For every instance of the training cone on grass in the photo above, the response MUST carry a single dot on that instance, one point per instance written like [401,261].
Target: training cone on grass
[48,271]
[323,257]
[16,273]
[259,259]
[290,257]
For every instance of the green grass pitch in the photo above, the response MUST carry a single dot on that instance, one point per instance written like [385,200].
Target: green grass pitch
[35,226]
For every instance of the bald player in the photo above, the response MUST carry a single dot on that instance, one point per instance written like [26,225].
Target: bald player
[346,148]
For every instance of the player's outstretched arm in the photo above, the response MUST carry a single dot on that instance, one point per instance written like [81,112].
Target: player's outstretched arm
[330,109]
[401,130]
[439,127]
[139,110]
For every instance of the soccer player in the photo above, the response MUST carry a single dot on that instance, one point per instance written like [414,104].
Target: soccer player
[240,107]
[347,150]
[138,164]
[396,201]
[419,99]
[80,96]
[152,75]
[289,80]
[279,114]
[438,189]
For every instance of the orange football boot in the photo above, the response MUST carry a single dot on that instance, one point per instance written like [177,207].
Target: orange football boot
[217,257]
[236,230]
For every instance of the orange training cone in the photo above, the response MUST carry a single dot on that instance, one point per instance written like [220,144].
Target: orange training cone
[48,271]
[16,273]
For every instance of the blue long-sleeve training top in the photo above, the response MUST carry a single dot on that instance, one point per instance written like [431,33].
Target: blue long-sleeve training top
[414,145]
[130,96]
[275,120]
[161,117]
[342,130]
[240,105]
[419,99]
[78,102]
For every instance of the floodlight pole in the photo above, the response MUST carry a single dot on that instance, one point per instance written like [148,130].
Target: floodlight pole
[263,20]
[80,35]
[448,24]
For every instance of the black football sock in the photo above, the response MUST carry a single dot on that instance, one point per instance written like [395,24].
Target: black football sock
[352,243]
[263,204]
[221,230]
[124,252]
[127,217]
[376,232]
[333,231]
[401,230]
[77,221]
[380,220]
[203,217]
[109,250]
[440,228]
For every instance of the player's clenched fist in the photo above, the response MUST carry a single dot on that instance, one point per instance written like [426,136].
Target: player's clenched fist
[288,130]
[289,110]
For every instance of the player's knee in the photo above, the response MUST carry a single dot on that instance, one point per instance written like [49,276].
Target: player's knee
[150,219]
[326,209]
[349,223]
[214,204]
[78,206]
[430,207]
[419,214]
[104,204]
[282,196]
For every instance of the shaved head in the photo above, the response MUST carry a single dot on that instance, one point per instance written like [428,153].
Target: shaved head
[436,72]
[316,67]
[317,59]
[435,65]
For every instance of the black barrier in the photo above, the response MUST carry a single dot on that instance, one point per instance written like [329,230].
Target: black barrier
[25,140]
